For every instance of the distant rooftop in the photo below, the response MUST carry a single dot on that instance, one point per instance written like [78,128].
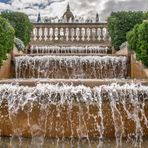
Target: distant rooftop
[67,17]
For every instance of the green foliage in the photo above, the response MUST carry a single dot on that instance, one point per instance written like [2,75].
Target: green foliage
[21,23]
[19,44]
[6,38]
[120,23]
[138,41]
[145,15]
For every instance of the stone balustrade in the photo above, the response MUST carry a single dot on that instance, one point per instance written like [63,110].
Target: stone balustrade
[51,33]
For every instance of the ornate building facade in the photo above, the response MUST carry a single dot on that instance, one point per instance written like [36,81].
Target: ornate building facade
[67,17]
[70,30]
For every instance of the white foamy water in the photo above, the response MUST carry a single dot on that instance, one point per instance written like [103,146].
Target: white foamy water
[69,49]
[47,107]
[71,67]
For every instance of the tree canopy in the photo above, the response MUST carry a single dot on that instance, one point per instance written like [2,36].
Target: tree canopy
[6,38]
[119,23]
[138,41]
[145,16]
[21,23]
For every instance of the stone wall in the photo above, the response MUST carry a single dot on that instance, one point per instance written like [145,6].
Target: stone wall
[6,68]
[138,71]
[55,121]
[70,33]
[123,51]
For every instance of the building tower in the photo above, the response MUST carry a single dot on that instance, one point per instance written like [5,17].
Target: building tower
[39,18]
[97,18]
[68,15]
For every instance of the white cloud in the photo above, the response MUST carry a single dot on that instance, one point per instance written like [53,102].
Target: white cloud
[5,6]
[50,8]
[57,8]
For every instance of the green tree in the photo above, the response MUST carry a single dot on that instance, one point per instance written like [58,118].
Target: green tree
[145,15]
[138,41]
[6,38]
[119,23]
[21,23]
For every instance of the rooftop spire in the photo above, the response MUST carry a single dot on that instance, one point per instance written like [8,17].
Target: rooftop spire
[97,18]
[68,7]
[39,17]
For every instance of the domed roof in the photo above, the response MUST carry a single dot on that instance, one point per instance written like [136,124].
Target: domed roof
[68,15]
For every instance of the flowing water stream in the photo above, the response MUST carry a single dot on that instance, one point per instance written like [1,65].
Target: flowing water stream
[70,49]
[60,115]
[74,67]
[77,112]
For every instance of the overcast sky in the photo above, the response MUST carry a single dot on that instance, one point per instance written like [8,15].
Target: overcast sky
[86,8]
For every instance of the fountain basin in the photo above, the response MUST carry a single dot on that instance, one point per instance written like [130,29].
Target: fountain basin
[75,82]
[18,125]
[59,111]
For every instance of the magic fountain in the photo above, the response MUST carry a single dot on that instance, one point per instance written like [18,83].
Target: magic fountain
[71,67]
[73,93]
[73,49]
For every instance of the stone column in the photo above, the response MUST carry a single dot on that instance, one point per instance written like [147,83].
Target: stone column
[80,35]
[48,33]
[69,34]
[107,35]
[72,34]
[53,34]
[43,34]
[75,35]
[96,34]
[101,35]
[64,34]
[91,35]
[85,35]
[33,35]
[38,35]
[59,33]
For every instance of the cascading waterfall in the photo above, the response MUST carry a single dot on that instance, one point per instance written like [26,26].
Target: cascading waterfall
[71,67]
[69,49]
[75,111]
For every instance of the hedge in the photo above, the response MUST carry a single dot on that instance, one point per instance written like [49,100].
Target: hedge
[6,38]
[21,23]
[119,23]
[138,41]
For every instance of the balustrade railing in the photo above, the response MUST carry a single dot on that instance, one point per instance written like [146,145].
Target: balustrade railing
[48,33]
